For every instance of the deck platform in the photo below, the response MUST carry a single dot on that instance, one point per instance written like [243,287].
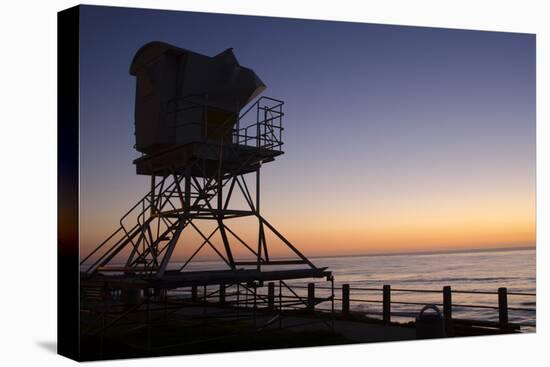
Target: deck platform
[236,157]
[176,279]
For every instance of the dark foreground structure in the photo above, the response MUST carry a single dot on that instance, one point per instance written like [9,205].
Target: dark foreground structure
[212,319]
[198,146]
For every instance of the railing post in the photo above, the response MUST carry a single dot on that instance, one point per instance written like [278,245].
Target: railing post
[345,300]
[258,132]
[503,307]
[448,309]
[194,293]
[311,296]
[271,295]
[386,304]
[222,293]
[280,304]
[160,293]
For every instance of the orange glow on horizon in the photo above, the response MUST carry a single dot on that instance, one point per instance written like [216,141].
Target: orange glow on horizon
[420,219]
[483,224]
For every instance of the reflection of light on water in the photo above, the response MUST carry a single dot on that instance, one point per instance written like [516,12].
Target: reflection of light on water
[479,271]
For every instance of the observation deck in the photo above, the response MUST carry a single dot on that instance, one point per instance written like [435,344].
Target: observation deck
[233,147]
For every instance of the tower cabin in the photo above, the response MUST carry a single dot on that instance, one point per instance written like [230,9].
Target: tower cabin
[188,105]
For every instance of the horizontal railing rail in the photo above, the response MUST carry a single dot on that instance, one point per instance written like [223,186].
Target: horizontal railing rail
[446,303]
[248,301]
[360,295]
[263,130]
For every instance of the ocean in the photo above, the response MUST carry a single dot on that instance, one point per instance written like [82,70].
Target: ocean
[480,271]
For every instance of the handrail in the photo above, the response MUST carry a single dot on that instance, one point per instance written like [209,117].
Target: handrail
[401,313]
[257,103]
[121,226]
[266,129]
[386,300]
[142,220]
[266,126]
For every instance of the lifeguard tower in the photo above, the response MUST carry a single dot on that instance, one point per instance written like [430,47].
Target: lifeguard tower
[197,145]
[200,135]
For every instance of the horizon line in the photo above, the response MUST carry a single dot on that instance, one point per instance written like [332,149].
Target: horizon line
[432,252]
[420,252]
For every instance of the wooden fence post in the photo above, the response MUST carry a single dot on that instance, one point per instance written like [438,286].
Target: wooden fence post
[448,309]
[222,294]
[503,307]
[345,299]
[311,296]
[386,304]
[271,295]
[194,293]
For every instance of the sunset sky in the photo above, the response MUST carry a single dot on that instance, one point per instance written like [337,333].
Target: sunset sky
[396,138]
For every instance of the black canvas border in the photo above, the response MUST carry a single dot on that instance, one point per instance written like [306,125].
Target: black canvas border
[68,340]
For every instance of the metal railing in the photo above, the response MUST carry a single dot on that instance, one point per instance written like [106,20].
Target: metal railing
[261,306]
[265,131]
[259,126]
[383,297]
[283,296]
[253,307]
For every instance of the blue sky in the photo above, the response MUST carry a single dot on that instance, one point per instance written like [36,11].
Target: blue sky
[381,121]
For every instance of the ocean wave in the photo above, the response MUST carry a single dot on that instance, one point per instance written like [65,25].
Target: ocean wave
[533,303]
[454,279]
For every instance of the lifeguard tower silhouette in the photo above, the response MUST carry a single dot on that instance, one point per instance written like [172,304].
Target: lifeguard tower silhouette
[197,145]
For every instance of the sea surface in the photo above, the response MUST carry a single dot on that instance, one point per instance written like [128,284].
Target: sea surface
[478,271]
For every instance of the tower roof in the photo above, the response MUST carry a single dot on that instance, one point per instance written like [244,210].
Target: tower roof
[221,76]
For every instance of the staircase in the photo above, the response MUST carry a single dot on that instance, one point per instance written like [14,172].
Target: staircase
[147,230]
